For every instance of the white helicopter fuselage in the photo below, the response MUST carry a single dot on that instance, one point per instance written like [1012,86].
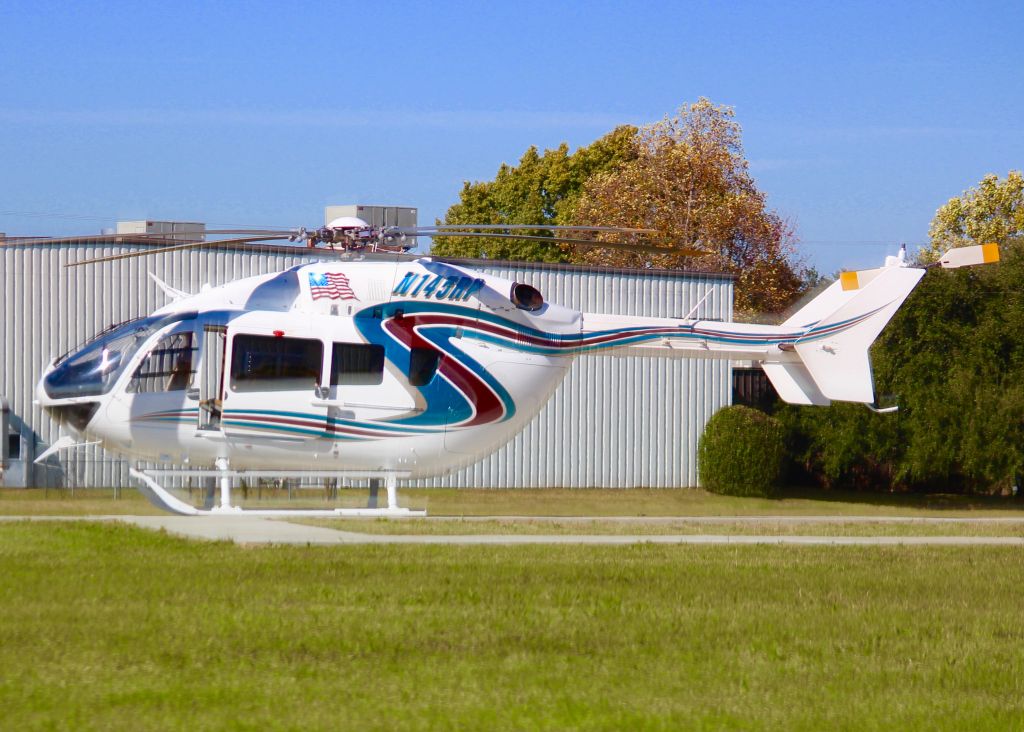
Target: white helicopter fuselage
[404,367]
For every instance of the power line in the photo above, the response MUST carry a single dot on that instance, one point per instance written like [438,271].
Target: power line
[858,243]
[80,217]
[800,242]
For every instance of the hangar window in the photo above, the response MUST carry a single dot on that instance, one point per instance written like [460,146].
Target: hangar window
[357,364]
[14,446]
[170,366]
[272,363]
[422,365]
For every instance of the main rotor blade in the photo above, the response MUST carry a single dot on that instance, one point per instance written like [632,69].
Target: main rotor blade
[412,230]
[179,247]
[168,236]
[622,246]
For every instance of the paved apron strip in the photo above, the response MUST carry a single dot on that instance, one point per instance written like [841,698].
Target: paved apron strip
[251,530]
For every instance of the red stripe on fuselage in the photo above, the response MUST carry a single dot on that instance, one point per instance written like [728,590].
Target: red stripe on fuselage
[486,403]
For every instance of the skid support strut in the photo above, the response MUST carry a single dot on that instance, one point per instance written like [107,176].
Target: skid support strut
[225,488]
[391,482]
[390,485]
[163,498]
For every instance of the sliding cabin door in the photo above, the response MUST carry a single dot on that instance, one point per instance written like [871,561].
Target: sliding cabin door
[272,388]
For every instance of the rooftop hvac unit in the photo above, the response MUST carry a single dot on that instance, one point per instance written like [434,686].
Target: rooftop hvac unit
[374,215]
[175,230]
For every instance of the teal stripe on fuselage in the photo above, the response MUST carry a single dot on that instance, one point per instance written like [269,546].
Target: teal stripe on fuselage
[274,427]
[356,424]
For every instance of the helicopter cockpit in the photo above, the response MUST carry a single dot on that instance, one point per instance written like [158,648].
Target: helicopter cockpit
[93,369]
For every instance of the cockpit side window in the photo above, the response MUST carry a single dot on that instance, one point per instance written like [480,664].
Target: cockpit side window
[271,363]
[170,366]
[96,367]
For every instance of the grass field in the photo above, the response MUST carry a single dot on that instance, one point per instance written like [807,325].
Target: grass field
[104,626]
[555,502]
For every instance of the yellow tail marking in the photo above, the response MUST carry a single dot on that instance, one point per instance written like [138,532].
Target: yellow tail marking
[849,280]
[990,253]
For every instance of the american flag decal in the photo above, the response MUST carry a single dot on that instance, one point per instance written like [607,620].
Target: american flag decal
[330,285]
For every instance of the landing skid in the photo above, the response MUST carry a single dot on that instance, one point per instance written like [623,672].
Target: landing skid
[164,499]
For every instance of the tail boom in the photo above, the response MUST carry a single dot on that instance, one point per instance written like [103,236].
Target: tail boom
[817,356]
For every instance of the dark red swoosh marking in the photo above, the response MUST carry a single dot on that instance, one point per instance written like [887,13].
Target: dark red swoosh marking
[486,403]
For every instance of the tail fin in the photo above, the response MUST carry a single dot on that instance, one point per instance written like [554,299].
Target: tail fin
[843,321]
[841,324]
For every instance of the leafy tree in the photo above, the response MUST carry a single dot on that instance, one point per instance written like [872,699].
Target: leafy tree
[954,358]
[957,360]
[992,211]
[690,182]
[685,177]
[542,189]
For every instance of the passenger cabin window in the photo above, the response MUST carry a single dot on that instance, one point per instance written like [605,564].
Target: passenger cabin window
[422,365]
[271,363]
[357,364]
[170,366]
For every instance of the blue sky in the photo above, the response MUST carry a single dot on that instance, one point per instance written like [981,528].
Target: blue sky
[859,119]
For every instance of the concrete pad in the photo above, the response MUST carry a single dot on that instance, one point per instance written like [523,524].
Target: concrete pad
[824,519]
[254,530]
[239,529]
[624,539]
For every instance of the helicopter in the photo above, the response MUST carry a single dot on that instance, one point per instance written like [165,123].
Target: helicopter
[374,366]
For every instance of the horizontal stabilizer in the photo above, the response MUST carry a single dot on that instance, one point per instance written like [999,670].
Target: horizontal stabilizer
[793,383]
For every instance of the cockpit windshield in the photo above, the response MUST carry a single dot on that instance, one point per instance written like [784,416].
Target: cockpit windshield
[94,369]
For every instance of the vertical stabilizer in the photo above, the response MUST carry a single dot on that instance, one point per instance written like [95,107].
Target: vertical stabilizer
[843,321]
[835,350]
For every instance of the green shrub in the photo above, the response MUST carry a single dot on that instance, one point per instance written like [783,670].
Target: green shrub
[741,453]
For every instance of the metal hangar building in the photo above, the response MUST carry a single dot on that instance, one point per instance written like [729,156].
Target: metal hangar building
[614,422]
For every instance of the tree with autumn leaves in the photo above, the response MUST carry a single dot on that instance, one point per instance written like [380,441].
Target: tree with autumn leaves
[992,211]
[685,177]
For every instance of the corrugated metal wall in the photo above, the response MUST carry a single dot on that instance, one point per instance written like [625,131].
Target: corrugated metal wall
[614,421]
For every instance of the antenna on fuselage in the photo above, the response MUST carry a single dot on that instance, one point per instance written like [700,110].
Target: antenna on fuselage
[693,310]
